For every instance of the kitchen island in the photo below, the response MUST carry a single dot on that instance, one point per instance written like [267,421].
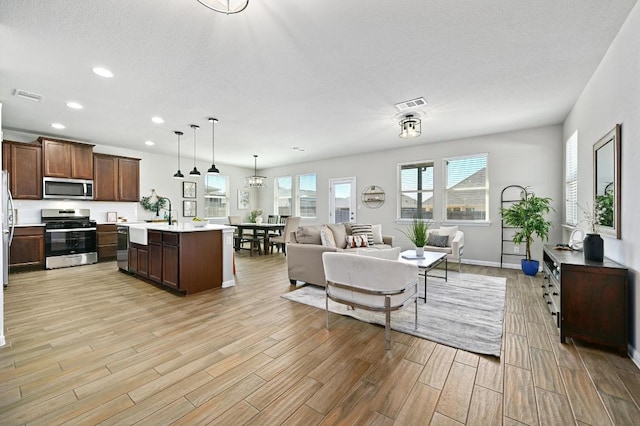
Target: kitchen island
[182,257]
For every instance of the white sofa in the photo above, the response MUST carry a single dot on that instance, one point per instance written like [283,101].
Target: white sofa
[454,245]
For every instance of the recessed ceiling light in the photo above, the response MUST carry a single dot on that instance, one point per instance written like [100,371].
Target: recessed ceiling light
[57,126]
[157,120]
[149,143]
[74,105]
[102,72]
[298,149]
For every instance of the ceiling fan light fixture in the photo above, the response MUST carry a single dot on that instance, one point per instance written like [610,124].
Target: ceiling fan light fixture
[228,7]
[255,181]
[410,127]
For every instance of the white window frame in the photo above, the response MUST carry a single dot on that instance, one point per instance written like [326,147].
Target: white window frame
[414,164]
[225,197]
[276,198]
[571,180]
[446,192]
[298,197]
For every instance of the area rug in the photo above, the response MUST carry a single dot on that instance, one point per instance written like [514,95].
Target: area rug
[465,312]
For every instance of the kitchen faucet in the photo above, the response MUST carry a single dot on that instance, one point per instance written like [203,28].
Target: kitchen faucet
[169,215]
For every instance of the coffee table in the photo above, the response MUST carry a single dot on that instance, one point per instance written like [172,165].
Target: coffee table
[426,263]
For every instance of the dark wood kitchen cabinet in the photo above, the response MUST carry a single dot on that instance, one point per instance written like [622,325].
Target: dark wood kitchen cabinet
[66,159]
[116,178]
[107,234]
[188,262]
[23,161]
[27,247]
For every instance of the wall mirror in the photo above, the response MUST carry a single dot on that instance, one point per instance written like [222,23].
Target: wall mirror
[606,185]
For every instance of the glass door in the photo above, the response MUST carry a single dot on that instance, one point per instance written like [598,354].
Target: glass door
[343,200]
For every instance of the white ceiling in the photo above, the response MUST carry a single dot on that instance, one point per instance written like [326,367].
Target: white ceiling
[322,75]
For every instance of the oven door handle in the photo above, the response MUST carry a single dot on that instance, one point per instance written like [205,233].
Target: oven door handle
[71,230]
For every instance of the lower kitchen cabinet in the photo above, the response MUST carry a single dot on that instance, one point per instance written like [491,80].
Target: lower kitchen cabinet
[188,262]
[27,247]
[107,241]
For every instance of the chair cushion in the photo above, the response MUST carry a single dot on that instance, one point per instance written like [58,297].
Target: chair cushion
[339,234]
[308,235]
[450,231]
[363,229]
[326,236]
[438,240]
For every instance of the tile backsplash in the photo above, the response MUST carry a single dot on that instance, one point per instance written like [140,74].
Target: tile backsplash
[28,211]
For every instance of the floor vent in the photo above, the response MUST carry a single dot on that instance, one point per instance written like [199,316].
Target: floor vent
[413,103]
[28,95]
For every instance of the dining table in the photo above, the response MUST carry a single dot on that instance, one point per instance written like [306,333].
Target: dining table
[257,229]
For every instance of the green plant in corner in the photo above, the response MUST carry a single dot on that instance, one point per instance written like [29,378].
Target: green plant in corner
[416,232]
[528,215]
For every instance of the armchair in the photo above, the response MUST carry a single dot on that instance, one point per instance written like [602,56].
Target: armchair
[454,246]
[372,284]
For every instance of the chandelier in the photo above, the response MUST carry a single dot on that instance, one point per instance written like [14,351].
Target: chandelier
[255,181]
[228,7]
[410,127]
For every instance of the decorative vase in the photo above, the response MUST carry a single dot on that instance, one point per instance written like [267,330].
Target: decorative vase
[593,247]
[258,220]
[529,267]
[419,251]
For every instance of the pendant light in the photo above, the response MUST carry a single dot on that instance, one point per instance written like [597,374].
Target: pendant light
[195,172]
[178,174]
[255,181]
[213,169]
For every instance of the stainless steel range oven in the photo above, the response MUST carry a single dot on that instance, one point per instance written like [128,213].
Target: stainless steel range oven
[70,238]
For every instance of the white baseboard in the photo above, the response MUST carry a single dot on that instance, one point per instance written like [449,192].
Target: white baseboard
[634,355]
[491,264]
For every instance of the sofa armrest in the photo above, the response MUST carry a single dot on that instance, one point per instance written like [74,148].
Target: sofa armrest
[304,262]
[388,239]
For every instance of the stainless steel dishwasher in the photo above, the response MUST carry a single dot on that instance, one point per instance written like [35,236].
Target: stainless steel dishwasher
[123,247]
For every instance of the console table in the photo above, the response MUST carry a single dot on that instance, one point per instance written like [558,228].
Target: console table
[587,299]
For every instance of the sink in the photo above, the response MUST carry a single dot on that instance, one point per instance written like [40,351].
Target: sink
[138,235]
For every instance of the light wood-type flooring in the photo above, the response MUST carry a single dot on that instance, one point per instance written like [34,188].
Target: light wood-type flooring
[91,345]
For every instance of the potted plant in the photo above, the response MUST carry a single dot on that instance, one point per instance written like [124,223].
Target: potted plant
[528,216]
[417,234]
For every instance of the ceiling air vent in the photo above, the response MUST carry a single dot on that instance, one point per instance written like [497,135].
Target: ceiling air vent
[413,103]
[28,95]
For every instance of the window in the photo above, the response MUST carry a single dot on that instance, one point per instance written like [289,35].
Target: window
[306,195]
[283,200]
[216,188]
[466,188]
[571,180]
[416,191]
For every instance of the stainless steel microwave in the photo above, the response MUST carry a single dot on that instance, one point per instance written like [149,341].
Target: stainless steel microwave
[69,189]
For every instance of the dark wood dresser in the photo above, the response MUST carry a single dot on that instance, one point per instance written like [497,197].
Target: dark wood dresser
[587,299]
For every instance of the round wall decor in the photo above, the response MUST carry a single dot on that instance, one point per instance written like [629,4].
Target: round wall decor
[373,196]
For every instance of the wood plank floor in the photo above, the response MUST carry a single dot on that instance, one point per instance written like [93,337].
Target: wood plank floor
[91,345]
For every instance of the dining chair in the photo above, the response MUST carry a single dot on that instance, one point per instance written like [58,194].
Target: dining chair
[281,241]
[247,236]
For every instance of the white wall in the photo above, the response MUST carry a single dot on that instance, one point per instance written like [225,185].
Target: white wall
[610,97]
[531,157]
[156,172]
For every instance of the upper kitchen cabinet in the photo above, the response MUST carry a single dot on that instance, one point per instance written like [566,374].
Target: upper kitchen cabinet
[23,161]
[116,178]
[65,159]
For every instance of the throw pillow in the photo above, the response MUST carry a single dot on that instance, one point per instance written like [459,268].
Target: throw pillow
[326,236]
[437,240]
[308,235]
[450,231]
[355,241]
[339,234]
[362,229]
[377,234]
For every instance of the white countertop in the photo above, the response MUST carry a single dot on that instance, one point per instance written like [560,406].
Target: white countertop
[138,231]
